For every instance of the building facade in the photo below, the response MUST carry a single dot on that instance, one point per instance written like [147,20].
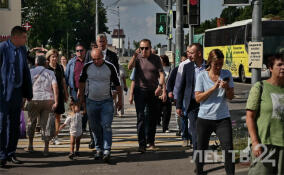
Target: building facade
[118,37]
[10,16]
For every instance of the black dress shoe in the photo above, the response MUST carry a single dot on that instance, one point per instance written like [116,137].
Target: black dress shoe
[91,145]
[14,160]
[3,163]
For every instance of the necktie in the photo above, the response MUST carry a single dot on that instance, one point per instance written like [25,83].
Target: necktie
[17,67]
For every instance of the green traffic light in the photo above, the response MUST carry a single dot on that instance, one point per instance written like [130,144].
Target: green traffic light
[161,29]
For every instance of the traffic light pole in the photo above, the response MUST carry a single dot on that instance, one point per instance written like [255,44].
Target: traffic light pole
[169,25]
[179,32]
[190,34]
[256,35]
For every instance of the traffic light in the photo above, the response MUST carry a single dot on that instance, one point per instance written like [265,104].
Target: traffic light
[194,12]
[161,23]
[185,15]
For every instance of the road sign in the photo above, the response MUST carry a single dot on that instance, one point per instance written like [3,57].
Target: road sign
[255,51]
[27,26]
[236,2]
[161,23]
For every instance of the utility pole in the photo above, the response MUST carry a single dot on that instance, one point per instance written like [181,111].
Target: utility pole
[190,34]
[169,25]
[97,18]
[179,31]
[256,34]
[118,31]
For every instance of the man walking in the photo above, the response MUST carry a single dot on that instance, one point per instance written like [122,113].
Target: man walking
[185,92]
[149,84]
[15,84]
[95,83]
[72,75]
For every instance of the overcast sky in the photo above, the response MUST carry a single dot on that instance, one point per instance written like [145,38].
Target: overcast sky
[138,18]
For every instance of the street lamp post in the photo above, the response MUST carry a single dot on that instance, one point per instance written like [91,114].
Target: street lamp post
[118,31]
[97,18]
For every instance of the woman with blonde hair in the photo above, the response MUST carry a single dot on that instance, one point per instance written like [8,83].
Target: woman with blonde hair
[52,57]
[212,88]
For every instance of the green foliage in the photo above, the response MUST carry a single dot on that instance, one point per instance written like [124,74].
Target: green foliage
[128,73]
[51,20]
[135,44]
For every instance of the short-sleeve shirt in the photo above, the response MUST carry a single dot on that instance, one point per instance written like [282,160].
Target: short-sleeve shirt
[98,80]
[77,71]
[147,71]
[132,76]
[270,119]
[215,106]
[75,123]
[42,86]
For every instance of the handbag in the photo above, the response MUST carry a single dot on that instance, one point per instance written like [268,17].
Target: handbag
[50,126]
[25,108]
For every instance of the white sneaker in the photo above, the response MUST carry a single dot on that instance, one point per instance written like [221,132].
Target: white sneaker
[56,141]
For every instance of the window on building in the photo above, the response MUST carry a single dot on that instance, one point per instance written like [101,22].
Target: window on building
[4,4]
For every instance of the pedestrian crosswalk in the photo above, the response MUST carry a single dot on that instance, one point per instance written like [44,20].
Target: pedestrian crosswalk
[124,135]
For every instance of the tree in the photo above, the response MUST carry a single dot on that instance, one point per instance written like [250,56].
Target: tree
[135,44]
[53,20]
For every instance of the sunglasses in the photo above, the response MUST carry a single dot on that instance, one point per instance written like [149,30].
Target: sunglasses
[142,48]
[80,50]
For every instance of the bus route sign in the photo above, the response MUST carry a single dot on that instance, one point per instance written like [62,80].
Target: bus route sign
[255,51]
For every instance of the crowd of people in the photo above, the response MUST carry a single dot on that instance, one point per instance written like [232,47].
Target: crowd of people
[92,83]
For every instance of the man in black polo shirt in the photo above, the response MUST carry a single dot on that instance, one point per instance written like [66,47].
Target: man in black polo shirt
[149,85]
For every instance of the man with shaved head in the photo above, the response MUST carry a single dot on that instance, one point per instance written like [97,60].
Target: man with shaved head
[95,84]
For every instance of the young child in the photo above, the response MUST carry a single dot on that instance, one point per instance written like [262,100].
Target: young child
[74,120]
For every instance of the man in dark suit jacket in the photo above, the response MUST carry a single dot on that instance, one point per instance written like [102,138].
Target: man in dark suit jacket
[15,84]
[185,97]
[109,55]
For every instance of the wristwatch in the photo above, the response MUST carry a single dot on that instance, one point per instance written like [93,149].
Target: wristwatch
[161,86]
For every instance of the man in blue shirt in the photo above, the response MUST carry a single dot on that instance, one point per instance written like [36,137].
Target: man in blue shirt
[185,92]
[15,84]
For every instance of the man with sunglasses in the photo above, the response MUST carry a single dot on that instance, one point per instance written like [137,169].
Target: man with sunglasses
[72,75]
[74,69]
[149,85]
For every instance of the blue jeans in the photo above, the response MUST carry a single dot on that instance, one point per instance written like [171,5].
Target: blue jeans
[100,116]
[10,124]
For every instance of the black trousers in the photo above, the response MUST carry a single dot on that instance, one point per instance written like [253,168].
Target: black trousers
[142,98]
[223,130]
[166,110]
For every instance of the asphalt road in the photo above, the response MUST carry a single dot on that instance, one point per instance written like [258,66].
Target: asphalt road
[169,157]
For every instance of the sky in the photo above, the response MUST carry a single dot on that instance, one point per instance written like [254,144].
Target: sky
[138,18]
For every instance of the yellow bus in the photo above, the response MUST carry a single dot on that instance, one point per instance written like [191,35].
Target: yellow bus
[233,41]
